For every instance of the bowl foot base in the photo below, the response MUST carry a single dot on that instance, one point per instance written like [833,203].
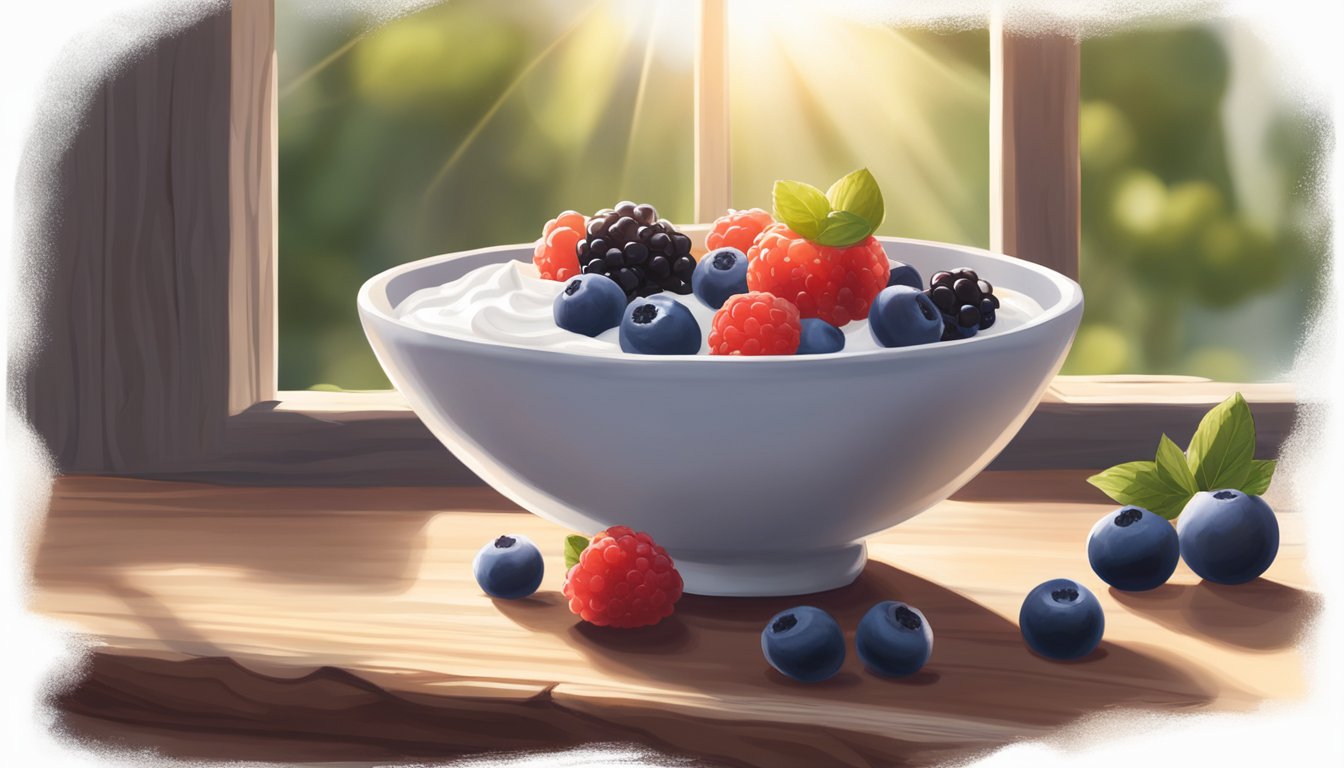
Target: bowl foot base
[793,573]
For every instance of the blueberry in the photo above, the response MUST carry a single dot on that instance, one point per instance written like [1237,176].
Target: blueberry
[659,325]
[902,316]
[719,275]
[904,274]
[894,639]
[1061,619]
[1228,537]
[819,337]
[804,643]
[589,304]
[509,567]
[1133,549]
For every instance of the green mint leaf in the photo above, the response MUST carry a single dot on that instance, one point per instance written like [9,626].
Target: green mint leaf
[1223,447]
[574,546]
[858,193]
[843,229]
[802,207]
[1141,483]
[1257,481]
[1172,464]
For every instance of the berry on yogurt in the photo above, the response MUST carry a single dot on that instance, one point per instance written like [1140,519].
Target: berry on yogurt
[720,274]
[659,325]
[966,301]
[818,337]
[589,304]
[902,316]
[755,323]
[904,274]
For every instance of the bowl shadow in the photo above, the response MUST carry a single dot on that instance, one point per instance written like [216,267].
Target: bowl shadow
[980,667]
[1261,615]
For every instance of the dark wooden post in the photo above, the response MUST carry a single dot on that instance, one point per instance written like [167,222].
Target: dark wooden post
[1034,177]
[131,373]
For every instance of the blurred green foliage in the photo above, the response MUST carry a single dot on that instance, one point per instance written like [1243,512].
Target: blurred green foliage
[470,123]
[1187,266]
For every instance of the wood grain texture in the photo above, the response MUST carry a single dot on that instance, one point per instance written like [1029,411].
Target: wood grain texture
[253,199]
[312,614]
[125,376]
[1035,175]
[373,438]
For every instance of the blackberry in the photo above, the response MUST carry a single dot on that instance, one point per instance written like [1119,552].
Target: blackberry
[966,302]
[641,252]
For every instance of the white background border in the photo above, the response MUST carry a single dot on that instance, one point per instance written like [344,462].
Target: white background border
[1309,37]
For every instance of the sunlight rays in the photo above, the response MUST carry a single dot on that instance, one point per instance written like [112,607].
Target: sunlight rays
[316,69]
[816,95]
[637,110]
[503,98]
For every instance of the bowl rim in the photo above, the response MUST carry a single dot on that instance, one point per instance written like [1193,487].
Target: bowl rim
[1070,299]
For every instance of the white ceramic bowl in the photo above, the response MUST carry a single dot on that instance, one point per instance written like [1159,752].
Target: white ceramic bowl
[761,476]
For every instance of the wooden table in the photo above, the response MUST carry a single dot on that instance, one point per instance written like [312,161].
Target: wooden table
[321,624]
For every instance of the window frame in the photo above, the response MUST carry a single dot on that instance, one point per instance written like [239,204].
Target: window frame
[265,436]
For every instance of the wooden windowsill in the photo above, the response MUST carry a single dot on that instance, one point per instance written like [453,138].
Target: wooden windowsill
[270,624]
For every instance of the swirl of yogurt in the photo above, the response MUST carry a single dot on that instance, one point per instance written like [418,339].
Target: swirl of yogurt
[510,303]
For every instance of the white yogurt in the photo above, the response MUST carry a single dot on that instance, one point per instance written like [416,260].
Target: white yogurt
[511,304]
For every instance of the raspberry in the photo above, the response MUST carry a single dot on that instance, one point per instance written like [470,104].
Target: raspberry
[556,253]
[755,323]
[737,229]
[835,284]
[623,580]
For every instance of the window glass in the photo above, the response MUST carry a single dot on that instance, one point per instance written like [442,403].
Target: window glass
[470,123]
[461,125]
[1202,248]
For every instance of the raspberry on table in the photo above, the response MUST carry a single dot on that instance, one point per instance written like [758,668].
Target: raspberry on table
[737,229]
[755,323]
[556,253]
[835,284]
[624,580]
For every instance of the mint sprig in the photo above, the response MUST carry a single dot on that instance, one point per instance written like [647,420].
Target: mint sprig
[1221,455]
[846,214]
[574,546]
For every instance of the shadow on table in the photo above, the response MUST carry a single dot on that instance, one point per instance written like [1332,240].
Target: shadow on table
[1261,615]
[979,668]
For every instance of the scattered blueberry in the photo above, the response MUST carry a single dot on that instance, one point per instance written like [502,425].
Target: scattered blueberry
[904,274]
[1133,549]
[589,304]
[509,567]
[894,639]
[659,325]
[719,275]
[1227,536]
[804,643]
[902,316]
[1061,619]
[819,337]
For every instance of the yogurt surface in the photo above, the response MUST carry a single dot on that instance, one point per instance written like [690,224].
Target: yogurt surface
[511,304]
